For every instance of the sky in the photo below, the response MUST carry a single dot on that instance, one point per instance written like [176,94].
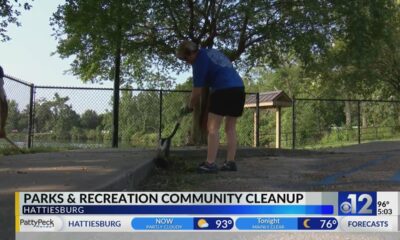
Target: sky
[27,55]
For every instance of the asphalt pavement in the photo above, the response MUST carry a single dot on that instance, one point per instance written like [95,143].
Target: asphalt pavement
[371,166]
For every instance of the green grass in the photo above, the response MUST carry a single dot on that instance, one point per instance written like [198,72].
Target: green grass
[350,137]
[320,146]
[13,151]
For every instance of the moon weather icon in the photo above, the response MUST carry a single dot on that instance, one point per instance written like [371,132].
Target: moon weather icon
[305,223]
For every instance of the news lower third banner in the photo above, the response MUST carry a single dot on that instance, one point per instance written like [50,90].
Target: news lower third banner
[206,211]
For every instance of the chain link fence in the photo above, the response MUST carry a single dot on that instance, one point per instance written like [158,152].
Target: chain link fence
[268,128]
[19,108]
[71,117]
[245,128]
[323,123]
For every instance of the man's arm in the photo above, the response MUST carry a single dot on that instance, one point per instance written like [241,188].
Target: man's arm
[195,97]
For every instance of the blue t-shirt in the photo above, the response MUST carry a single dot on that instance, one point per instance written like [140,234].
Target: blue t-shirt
[213,69]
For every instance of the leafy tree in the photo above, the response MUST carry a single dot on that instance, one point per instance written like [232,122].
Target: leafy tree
[250,31]
[98,33]
[359,64]
[55,116]
[106,124]
[104,37]
[65,121]
[14,116]
[77,133]
[9,12]
[43,115]
[129,113]
[89,120]
[385,67]
[23,123]
[139,114]
[368,32]
[335,41]
[145,33]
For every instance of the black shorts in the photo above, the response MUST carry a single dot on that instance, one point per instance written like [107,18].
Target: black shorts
[228,102]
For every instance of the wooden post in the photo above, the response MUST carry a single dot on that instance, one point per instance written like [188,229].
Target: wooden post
[257,121]
[294,123]
[255,129]
[278,128]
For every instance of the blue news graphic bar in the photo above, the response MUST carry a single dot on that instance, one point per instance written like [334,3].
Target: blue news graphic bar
[181,223]
[318,223]
[286,223]
[164,223]
[266,224]
[180,209]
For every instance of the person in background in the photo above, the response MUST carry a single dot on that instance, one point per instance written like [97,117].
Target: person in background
[3,106]
[213,69]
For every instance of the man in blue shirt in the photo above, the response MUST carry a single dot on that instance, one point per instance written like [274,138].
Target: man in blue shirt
[214,70]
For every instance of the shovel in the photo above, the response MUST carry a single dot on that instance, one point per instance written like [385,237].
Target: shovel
[161,160]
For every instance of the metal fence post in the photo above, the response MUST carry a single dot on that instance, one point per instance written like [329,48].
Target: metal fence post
[30,121]
[294,123]
[359,120]
[115,117]
[161,110]
[116,96]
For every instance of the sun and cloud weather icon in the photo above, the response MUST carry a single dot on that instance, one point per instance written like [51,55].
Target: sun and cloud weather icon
[202,223]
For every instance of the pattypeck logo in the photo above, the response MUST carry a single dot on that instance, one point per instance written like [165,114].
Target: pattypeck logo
[38,223]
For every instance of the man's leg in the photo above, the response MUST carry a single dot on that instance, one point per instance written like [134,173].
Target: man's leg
[213,125]
[230,130]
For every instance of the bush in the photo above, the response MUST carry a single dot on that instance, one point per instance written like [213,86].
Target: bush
[144,139]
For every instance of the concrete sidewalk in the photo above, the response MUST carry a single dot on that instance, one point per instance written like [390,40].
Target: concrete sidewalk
[119,169]
[83,170]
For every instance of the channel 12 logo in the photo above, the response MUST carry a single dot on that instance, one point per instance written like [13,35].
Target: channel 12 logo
[357,203]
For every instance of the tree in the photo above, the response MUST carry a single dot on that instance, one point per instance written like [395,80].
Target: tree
[43,115]
[14,116]
[139,114]
[386,64]
[100,33]
[135,40]
[359,62]
[97,32]
[64,117]
[55,116]
[249,31]
[9,12]
[23,123]
[147,32]
[89,119]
